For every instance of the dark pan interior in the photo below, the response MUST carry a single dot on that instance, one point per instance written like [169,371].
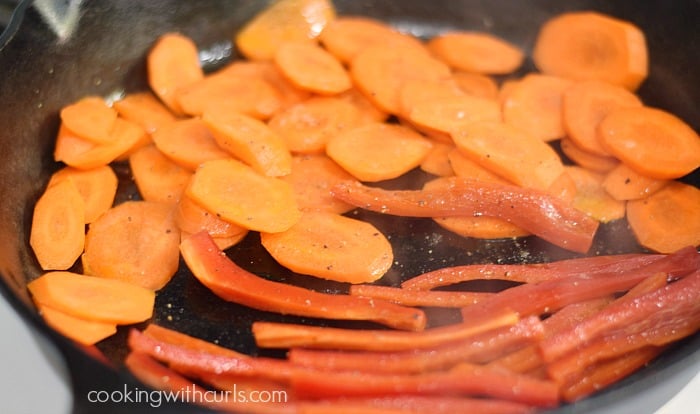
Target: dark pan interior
[105,56]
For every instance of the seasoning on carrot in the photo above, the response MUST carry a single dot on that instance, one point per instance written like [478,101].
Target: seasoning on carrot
[623,183]
[57,235]
[592,46]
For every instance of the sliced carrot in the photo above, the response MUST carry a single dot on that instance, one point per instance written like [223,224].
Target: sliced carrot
[331,246]
[477,84]
[231,91]
[97,187]
[591,46]
[463,166]
[188,143]
[93,298]
[515,155]
[477,227]
[90,118]
[249,140]
[193,218]
[57,235]
[623,183]
[592,198]
[586,104]
[158,178]
[437,162]
[380,72]
[369,112]
[232,283]
[83,331]
[586,159]
[236,193]
[173,63]
[83,154]
[404,404]
[409,297]
[284,20]
[415,91]
[534,104]
[530,209]
[284,335]
[653,142]
[312,68]
[135,242]
[288,93]
[378,151]
[451,114]
[312,178]
[307,126]
[346,36]
[667,220]
[144,109]
[476,52]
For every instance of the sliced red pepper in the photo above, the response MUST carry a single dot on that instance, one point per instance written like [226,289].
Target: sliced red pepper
[474,381]
[538,212]
[283,335]
[529,273]
[481,348]
[229,281]
[419,298]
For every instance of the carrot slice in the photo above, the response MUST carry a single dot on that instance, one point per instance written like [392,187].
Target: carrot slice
[567,228]
[415,91]
[585,159]
[592,198]
[667,220]
[230,282]
[57,235]
[331,246]
[463,166]
[312,68]
[192,218]
[90,118]
[285,20]
[188,143]
[173,63]
[592,46]
[307,126]
[585,104]
[534,104]
[144,109]
[347,36]
[157,177]
[451,114]
[477,227]
[83,154]
[517,156]
[135,242]
[378,151]
[236,193]
[380,72]
[651,141]
[93,298]
[409,297]
[230,91]
[369,112]
[437,162]
[97,187]
[623,183]
[281,335]
[83,331]
[477,84]
[476,52]
[250,140]
[312,178]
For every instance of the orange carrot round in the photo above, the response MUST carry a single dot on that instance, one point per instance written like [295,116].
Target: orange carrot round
[592,46]
[592,198]
[158,178]
[90,118]
[144,109]
[97,187]
[188,143]
[623,183]
[586,159]
[476,52]
[310,67]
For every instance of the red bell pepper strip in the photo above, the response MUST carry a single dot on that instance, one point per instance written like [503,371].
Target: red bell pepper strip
[408,297]
[232,283]
[540,213]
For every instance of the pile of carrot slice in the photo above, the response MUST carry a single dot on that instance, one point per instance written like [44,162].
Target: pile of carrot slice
[306,126]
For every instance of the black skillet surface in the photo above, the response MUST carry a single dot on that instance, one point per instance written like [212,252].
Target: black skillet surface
[105,56]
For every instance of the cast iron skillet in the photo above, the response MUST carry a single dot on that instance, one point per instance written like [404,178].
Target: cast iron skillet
[105,56]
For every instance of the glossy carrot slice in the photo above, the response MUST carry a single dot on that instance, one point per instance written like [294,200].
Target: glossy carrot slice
[592,198]
[568,228]
[83,331]
[188,143]
[312,68]
[97,187]
[90,118]
[623,183]
[585,159]
[144,109]
[437,162]
[230,282]
[476,52]
[157,177]
[476,84]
